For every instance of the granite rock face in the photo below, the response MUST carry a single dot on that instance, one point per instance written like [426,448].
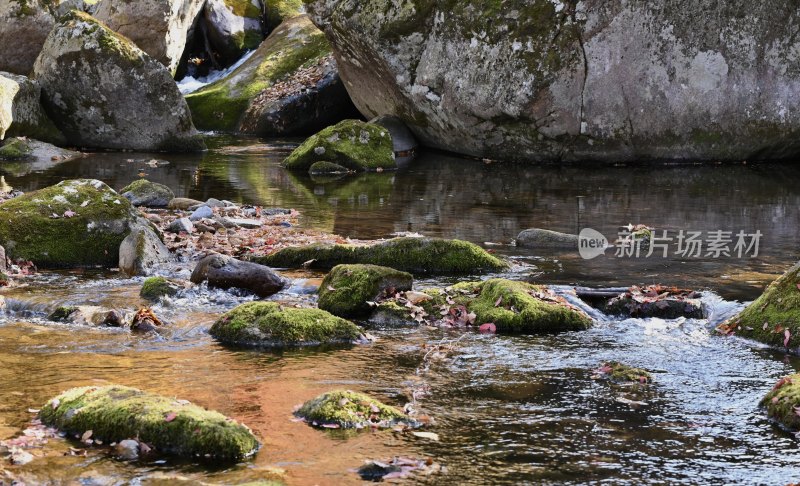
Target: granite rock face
[558,80]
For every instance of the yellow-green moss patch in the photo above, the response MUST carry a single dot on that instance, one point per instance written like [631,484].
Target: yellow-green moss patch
[783,402]
[154,288]
[348,289]
[349,410]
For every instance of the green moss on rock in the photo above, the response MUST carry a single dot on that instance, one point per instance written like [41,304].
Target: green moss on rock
[114,413]
[142,192]
[347,290]
[419,256]
[154,288]
[62,313]
[783,401]
[16,149]
[350,143]
[267,324]
[348,410]
[74,223]
[622,373]
[278,11]
[326,168]
[774,318]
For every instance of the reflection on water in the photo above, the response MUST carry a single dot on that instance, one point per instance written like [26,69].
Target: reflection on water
[508,409]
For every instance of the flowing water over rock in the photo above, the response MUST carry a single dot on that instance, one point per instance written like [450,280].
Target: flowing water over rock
[508,409]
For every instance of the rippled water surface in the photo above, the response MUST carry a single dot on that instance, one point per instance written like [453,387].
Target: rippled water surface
[507,409]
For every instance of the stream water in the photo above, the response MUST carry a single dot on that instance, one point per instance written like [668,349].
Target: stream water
[508,409]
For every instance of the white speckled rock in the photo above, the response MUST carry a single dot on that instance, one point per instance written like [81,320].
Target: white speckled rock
[102,91]
[553,80]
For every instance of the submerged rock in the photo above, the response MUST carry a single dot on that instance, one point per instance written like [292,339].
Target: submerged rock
[25,27]
[116,413]
[783,401]
[154,288]
[602,79]
[542,238]
[348,289]
[619,373]
[104,92]
[656,301]
[350,410]
[773,318]
[88,315]
[233,27]
[327,168]
[141,251]
[142,192]
[243,100]
[21,111]
[226,272]
[351,143]
[431,256]
[74,223]
[29,150]
[159,28]
[267,324]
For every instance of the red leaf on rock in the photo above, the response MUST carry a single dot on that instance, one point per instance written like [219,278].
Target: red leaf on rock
[488,328]
[170,417]
[788,335]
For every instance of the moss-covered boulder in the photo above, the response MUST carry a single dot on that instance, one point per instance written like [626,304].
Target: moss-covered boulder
[21,111]
[783,401]
[142,192]
[513,308]
[349,290]
[39,153]
[103,91]
[267,324]
[74,223]
[154,288]
[226,104]
[233,27]
[278,11]
[326,168]
[773,318]
[25,25]
[350,410]
[350,143]
[620,373]
[419,256]
[115,413]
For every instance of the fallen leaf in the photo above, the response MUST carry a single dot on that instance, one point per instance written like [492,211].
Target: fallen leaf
[170,417]
[498,301]
[86,436]
[69,213]
[426,435]
[488,328]
[788,337]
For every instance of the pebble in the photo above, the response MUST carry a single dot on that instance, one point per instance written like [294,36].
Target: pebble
[201,213]
[182,225]
[127,450]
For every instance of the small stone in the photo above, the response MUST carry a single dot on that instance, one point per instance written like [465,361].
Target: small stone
[201,213]
[181,225]
[127,450]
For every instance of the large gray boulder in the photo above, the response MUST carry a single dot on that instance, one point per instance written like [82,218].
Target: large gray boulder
[104,92]
[21,111]
[225,272]
[24,25]
[141,251]
[547,80]
[159,27]
[234,27]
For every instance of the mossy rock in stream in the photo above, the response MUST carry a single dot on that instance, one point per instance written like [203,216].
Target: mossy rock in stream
[513,307]
[72,224]
[773,318]
[142,192]
[154,288]
[347,290]
[350,410]
[114,413]
[352,144]
[267,324]
[620,373]
[323,168]
[30,150]
[419,256]
[783,401]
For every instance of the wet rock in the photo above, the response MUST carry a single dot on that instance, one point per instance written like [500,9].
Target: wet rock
[149,194]
[102,91]
[327,168]
[348,290]
[233,27]
[782,402]
[21,111]
[226,272]
[773,318]
[403,141]
[353,144]
[202,212]
[390,314]
[419,256]
[623,374]
[289,86]
[181,225]
[88,315]
[267,324]
[115,413]
[350,410]
[511,307]
[34,151]
[141,251]
[159,28]
[154,288]
[127,450]
[25,28]
[656,301]
[145,321]
[460,91]
[74,223]
[546,239]
[183,203]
